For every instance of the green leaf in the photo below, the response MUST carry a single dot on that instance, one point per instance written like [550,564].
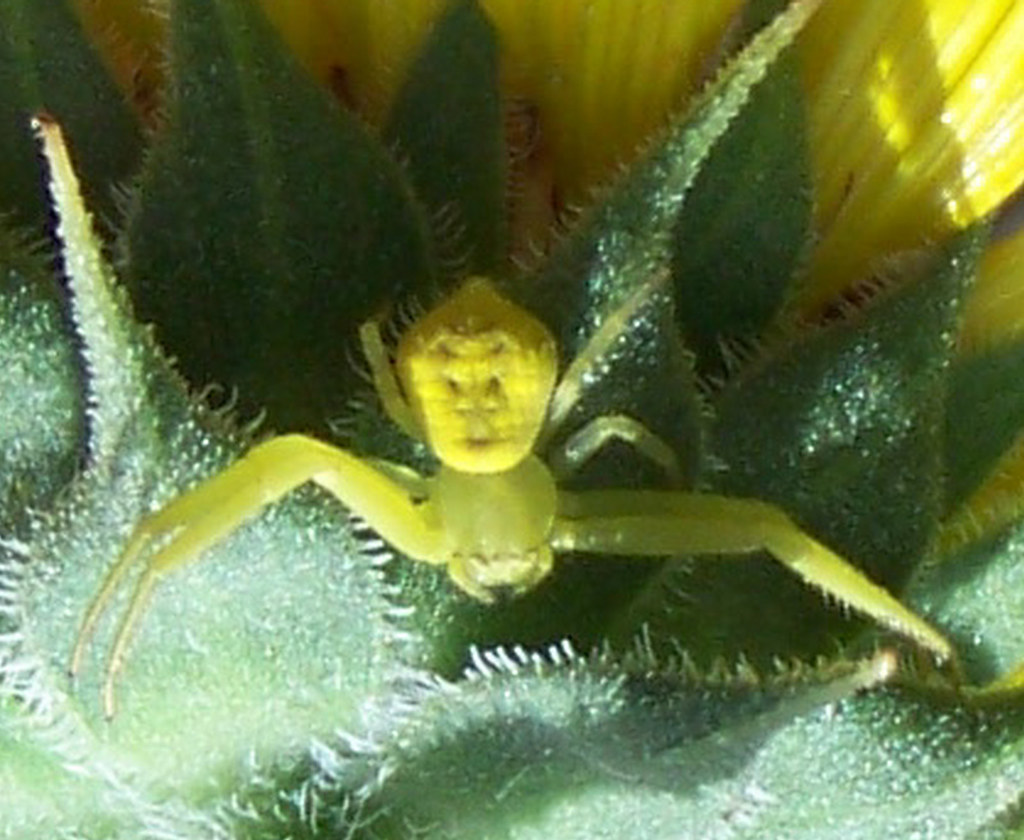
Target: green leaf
[47,64]
[579,755]
[976,595]
[626,240]
[447,127]
[269,224]
[528,748]
[636,366]
[41,797]
[985,415]
[280,632]
[744,226]
[40,386]
[844,430]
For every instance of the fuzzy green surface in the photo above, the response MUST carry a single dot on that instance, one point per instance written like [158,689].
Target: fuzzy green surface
[295,681]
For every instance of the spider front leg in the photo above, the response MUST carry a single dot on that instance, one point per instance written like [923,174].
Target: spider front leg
[207,514]
[583,444]
[643,522]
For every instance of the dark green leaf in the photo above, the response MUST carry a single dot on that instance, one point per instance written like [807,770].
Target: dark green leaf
[647,375]
[269,223]
[743,229]
[627,240]
[447,127]
[985,415]
[844,430]
[976,595]
[46,63]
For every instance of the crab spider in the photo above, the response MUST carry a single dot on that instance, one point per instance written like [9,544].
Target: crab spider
[475,378]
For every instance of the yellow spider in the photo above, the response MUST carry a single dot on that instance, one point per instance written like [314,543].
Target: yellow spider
[476,379]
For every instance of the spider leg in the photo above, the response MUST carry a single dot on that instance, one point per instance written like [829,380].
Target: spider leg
[571,386]
[191,542]
[1009,683]
[583,444]
[416,485]
[211,511]
[384,380]
[659,523]
[182,510]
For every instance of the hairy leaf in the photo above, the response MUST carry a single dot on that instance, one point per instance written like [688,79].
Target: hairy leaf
[268,224]
[447,128]
[47,64]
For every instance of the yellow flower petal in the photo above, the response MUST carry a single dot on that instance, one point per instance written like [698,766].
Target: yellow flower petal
[916,124]
[365,46]
[130,37]
[604,74]
[308,30]
[599,75]
[998,501]
[993,316]
[994,312]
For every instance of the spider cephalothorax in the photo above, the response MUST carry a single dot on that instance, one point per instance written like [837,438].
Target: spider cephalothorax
[478,373]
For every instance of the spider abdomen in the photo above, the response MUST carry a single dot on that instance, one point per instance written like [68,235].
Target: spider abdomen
[497,526]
